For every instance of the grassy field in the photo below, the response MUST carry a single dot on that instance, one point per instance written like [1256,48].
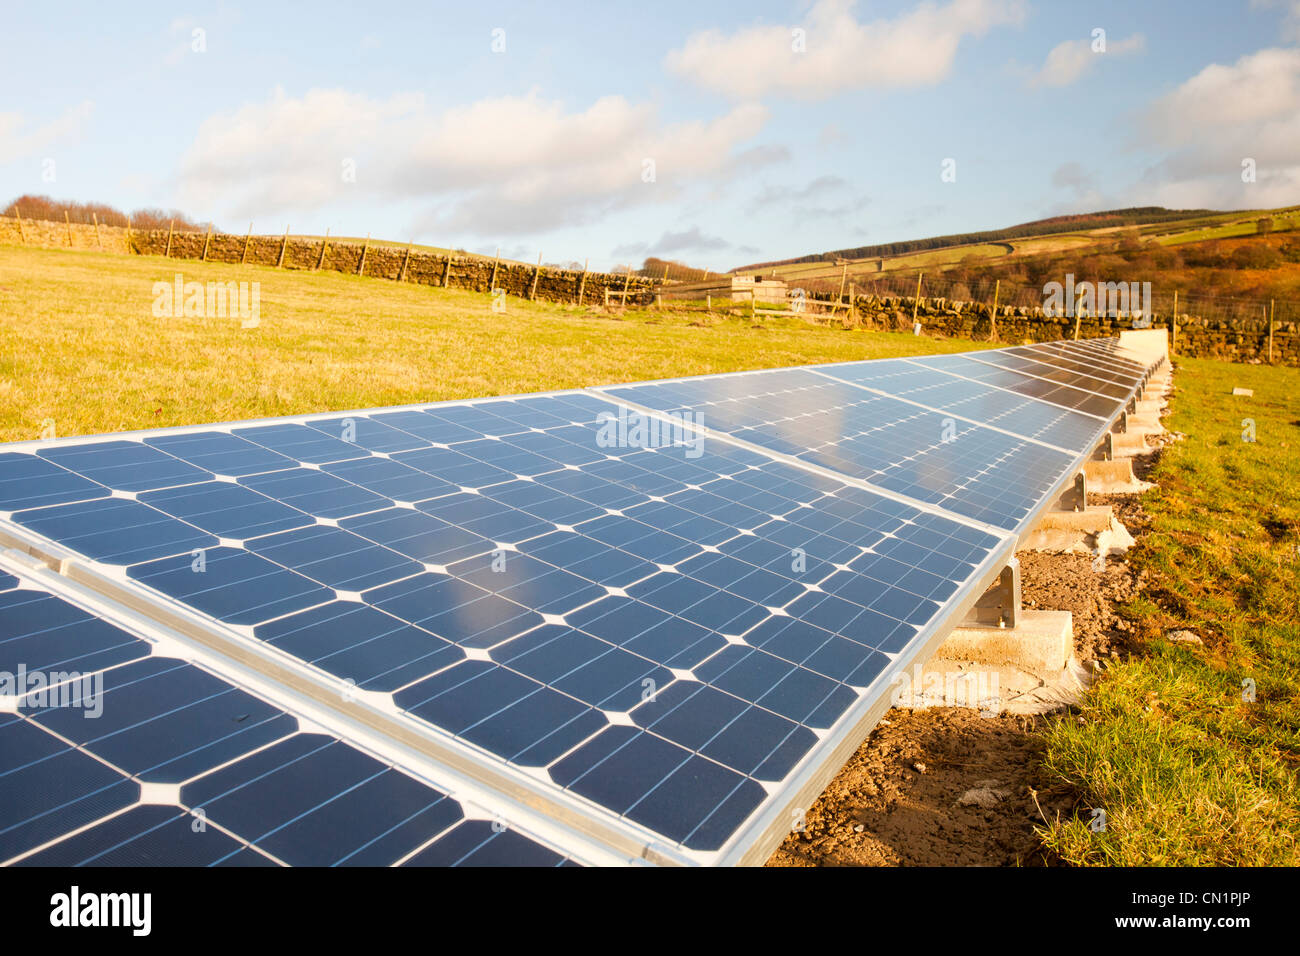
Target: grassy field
[1188,769]
[79,345]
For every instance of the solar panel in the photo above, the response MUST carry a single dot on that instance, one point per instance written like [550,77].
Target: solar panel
[1084,364]
[975,402]
[1064,395]
[121,754]
[967,469]
[657,614]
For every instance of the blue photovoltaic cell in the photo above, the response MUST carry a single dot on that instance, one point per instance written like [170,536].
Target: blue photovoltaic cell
[125,465]
[298,798]
[226,510]
[966,469]
[27,481]
[39,632]
[565,602]
[983,403]
[115,530]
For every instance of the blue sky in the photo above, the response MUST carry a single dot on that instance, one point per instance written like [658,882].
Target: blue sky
[708,132]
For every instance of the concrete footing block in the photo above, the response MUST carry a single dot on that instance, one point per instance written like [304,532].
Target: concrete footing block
[1148,424]
[1095,530]
[1149,409]
[1041,643]
[1114,477]
[1154,393]
[1130,443]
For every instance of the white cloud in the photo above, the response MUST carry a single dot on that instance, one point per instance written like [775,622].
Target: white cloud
[20,141]
[505,166]
[1220,117]
[691,240]
[1290,15]
[826,197]
[916,48]
[1072,59]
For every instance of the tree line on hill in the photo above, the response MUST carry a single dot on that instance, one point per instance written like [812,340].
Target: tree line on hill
[30,206]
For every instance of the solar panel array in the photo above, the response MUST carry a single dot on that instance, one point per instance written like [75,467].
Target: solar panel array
[656,612]
[134,757]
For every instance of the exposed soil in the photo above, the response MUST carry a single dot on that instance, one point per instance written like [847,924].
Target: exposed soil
[1091,592]
[971,806]
[980,794]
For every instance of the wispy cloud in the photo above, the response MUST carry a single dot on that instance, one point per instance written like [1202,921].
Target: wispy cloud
[1069,61]
[674,243]
[513,165]
[836,52]
[20,140]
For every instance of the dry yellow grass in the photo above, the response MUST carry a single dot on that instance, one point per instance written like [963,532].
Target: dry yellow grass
[79,345]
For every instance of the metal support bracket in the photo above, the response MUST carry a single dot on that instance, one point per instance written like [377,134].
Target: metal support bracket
[999,606]
[1074,498]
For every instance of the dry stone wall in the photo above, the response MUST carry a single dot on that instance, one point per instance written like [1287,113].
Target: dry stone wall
[473,273]
[60,235]
[1238,340]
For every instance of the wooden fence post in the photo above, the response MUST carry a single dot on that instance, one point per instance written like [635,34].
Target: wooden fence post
[68,222]
[844,276]
[446,272]
[401,276]
[1173,324]
[993,316]
[582,283]
[244,255]
[128,234]
[284,244]
[99,242]
[361,269]
[916,302]
[206,239]
[171,226]
[22,230]
[627,282]
[1272,303]
[323,246]
[537,272]
[492,283]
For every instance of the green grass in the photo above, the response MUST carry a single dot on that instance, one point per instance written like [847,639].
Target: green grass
[1187,771]
[79,345]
